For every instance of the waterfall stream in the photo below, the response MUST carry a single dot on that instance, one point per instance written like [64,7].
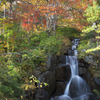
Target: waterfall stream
[74,70]
[76,86]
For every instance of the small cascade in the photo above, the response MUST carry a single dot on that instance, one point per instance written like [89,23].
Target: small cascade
[74,70]
[76,86]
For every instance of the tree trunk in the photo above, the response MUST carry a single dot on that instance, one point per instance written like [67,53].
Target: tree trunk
[98,52]
[10,7]
[4,17]
[99,60]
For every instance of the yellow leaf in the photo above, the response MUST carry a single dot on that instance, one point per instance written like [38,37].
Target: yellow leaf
[26,88]
[21,97]
[31,81]
[83,4]
[41,86]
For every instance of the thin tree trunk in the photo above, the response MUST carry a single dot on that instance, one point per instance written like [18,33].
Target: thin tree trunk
[29,31]
[42,24]
[4,17]
[99,60]
[98,52]
[10,7]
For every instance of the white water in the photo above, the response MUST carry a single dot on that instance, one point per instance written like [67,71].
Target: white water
[73,62]
[74,70]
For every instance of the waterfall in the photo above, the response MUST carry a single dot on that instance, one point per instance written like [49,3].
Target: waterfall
[74,70]
[76,86]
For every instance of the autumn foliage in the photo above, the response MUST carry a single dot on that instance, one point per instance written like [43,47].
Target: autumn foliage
[34,15]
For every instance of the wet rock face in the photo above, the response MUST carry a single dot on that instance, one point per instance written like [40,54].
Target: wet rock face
[63,73]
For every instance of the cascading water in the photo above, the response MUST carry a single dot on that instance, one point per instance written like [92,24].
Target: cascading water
[76,86]
[74,70]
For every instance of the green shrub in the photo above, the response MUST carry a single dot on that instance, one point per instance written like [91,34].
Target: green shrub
[97,93]
[51,44]
[68,32]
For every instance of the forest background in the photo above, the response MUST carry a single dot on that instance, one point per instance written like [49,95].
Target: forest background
[30,30]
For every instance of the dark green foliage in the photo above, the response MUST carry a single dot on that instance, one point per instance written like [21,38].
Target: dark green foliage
[11,89]
[7,90]
[9,79]
[37,38]
[69,32]
[98,1]
[51,44]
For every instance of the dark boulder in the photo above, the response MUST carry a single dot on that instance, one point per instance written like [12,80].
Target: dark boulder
[60,88]
[61,59]
[37,72]
[82,71]
[82,63]
[48,77]
[88,78]
[41,94]
[63,73]
[95,84]
[51,62]
[97,80]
